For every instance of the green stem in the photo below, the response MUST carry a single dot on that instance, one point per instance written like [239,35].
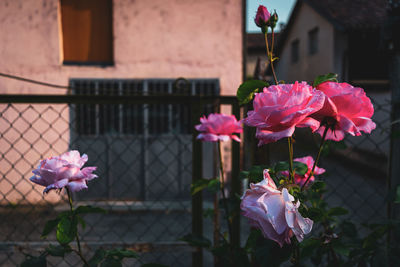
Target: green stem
[318,156]
[224,200]
[291,172]
[79,252]
[270,54]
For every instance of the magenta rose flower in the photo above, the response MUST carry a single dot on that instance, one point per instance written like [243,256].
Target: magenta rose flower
[281,108]
[273,212]
[262,16]
[301,179]
[64,171]
[347,109]
[219,127]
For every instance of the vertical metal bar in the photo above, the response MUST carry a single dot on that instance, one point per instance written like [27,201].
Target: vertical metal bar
[197,199]
[120,111]
[97,108]
[235,181]
[145,145]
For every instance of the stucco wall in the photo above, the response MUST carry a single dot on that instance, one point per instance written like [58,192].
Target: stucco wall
[152,39]
[308,66]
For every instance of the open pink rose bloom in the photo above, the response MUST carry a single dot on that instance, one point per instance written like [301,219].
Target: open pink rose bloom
[347,109]
[64,171]
[281,108]
[301,179]
[273,212]
[219,127]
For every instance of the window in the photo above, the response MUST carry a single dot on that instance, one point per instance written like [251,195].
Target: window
[136,119]
[313,41]
[86,32]
[295,51]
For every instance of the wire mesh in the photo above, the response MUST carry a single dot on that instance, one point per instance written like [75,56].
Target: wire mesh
[144,156]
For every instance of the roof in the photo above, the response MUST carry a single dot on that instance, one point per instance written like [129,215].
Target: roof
[351,15]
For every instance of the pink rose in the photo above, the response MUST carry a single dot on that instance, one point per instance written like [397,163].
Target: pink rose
[262,16]
[219,127]
[301,179]
[281,108]
[273,212]
[347,109]
[64,171]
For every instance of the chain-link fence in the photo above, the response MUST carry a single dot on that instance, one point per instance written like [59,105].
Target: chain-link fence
[143,146]
[140,137]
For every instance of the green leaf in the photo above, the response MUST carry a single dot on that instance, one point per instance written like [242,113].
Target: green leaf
[198,186]
[58,251]
[349,229]
[34,261]
[308,246]
[337,211]
[251,242]
[330,77]
[340,248]
[196,241]
[89,209]
[208,213]
[318,185]
[81,221]
[300,168]
[214,185]
[256,173]
[281,166]
[397,199]
[98,256]
[247,89]
[122,253]
[111,262]
[66,230]
[50,225]
[244,175]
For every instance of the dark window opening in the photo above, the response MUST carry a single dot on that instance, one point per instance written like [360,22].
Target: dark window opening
[313,41]
[294,55]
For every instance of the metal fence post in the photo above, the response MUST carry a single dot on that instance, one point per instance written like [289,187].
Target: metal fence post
[394,72]
[197,199]
[236,183]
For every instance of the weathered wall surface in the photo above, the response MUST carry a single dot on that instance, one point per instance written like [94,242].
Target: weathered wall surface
[308,66]
[152,39]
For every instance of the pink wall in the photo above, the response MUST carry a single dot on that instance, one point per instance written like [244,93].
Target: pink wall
[152,39]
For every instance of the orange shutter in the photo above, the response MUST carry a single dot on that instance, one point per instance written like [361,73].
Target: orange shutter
[87,31]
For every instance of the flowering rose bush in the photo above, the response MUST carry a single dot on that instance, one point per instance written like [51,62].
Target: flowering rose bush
[60,172]
[281,108]
[219,127]
[301,179]
[347,109]
[64,171]
[274,212]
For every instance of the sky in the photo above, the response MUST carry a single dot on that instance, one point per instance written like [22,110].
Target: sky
[282,7]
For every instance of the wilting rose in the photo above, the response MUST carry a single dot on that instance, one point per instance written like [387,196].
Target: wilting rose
[301,179]
[262,16]
[64,171]
[273,212]
[347,109]
[281,108]
[219,127]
